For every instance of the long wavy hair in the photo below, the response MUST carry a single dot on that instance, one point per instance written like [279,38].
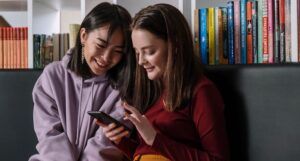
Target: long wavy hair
[183,68]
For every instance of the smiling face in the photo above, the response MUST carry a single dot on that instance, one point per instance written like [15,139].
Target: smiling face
[100,54]
[151,52]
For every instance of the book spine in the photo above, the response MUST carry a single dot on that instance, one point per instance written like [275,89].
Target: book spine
[230,33]
[294,35]
[203,36]
[298,13]
[265,32]
[276,31]
[260,31]
[270,31]
[249,33]
[196,32]
[220,38]
[217,59]
[1,48]
[254,32]
[26,47]
[288,31]
[237,32]
[243,32]
[225,34]
[282,31]
[211,36]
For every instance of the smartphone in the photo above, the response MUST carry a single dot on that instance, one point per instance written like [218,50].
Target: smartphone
[107,119]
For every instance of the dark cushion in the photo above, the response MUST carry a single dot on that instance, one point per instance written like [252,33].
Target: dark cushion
[17,137]
[262,108]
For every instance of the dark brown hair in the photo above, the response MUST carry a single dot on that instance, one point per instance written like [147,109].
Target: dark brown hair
[183,66]
[116,17]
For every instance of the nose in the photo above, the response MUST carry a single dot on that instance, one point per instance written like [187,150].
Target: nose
[141,59]
[106,55]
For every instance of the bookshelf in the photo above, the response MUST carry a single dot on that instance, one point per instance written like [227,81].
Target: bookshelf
[54,16]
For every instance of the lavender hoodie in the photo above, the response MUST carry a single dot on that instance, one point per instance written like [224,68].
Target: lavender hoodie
[64,130]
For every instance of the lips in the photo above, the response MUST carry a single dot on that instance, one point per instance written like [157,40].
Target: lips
[101,63]
[149,69]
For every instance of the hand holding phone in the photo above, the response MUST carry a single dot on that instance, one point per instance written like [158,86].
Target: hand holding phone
[107,119]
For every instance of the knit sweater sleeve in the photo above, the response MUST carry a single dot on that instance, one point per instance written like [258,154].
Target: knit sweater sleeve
[208,117]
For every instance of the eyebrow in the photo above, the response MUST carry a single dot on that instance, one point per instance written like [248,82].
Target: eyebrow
[106,43]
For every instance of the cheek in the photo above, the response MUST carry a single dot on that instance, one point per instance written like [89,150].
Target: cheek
[116,59]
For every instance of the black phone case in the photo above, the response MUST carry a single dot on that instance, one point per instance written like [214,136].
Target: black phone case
[107,119]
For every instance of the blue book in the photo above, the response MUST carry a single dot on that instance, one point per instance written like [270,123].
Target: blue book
[230,31]
[203,36]
[225,34]
[254,32]
[243,32]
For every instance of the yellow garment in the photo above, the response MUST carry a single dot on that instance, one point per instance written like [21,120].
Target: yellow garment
[150,157]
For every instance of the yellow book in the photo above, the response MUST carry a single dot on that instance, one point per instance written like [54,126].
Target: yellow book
[211,36]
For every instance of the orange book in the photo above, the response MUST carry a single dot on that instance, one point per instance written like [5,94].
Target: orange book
[249,34]
[10,48]
[1,48]
[5,46]
[26,47]
[14,48]
[18,48]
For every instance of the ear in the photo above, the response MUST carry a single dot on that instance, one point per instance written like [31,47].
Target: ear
[83,35]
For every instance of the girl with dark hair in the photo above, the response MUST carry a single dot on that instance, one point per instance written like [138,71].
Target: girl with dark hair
[177,111]
[90,77]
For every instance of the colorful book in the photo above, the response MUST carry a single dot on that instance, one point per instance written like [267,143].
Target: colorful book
[249,33]
[276,32]
[217,47]
[282,31]
[287,10]
[265,32]
[225,34]
[196,31]
[254,32]
[243,31]
[270,31]
[203,36]
[260,31]
[237,32]
[211,36]
[294,31]
[230,30]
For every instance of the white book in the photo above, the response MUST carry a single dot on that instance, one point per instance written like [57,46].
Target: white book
[294,31]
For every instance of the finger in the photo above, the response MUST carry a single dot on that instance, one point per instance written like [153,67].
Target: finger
[115,132]
[133,120]
[109,128]
[133,110]
[100,123]
[119,136]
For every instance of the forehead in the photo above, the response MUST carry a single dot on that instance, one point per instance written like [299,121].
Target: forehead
[102,33]
[142,38]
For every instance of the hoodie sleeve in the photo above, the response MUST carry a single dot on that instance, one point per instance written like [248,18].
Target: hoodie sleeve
[53,143]
[99,147]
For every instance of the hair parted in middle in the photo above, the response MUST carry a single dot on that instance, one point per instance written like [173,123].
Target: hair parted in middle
[183,68]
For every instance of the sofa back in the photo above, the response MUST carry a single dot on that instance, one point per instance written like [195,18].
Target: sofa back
[17,137]
[262,108]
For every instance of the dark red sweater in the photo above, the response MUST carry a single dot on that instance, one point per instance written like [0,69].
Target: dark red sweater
[193,133]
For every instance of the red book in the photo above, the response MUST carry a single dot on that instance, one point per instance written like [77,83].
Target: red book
[271,30]
[1,48]
[282,31]
[249,34]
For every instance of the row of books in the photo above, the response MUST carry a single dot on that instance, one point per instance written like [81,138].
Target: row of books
[49,48]
[248,32]
[13,47]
